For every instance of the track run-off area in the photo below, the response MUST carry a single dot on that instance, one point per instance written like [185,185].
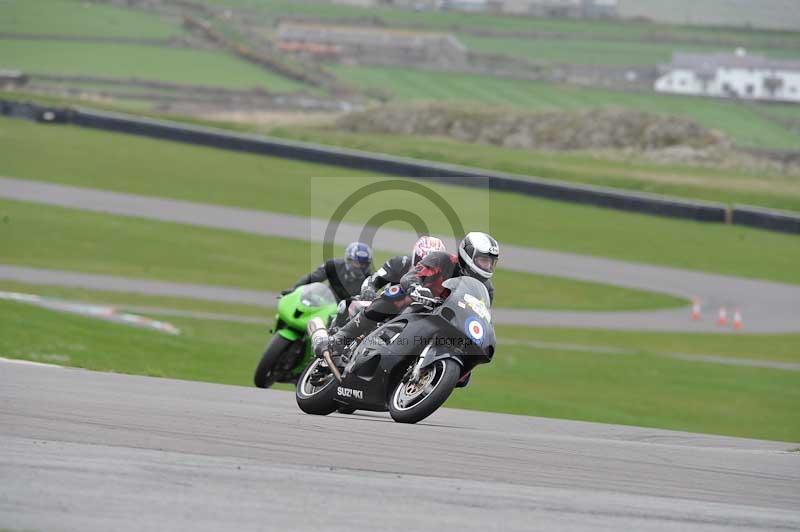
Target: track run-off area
[771,307]
[98,451]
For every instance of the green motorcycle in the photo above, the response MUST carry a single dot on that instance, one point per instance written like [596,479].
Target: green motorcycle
[289,351]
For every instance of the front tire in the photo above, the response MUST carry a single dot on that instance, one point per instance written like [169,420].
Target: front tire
[263,377]
[316,400]
[413,402]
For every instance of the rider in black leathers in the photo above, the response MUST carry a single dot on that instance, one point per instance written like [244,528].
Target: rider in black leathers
[345,275]
[477,256]
[395,268]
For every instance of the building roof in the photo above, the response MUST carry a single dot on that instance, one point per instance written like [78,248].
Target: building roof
[709,63]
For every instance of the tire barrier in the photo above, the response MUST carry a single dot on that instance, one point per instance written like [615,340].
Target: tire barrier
[605,197]
[768,219]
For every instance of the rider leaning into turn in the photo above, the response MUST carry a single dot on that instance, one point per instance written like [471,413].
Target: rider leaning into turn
[345,275]
[395,268]
[477,257]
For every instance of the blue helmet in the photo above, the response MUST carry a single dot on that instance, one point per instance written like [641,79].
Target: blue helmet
[358,255]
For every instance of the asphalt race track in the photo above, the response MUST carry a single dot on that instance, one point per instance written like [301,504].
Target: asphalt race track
[89,451]
[769,307]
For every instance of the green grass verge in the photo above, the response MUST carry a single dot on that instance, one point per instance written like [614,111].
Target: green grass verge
[42,236]
[764,189]
[81,19]
[773,347]
[638,390]
[695,182]
[741,122]
[635,390]
[206,350]
[125,163]
[175,65]
[127,301]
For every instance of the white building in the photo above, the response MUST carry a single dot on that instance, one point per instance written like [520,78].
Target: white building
[732,75]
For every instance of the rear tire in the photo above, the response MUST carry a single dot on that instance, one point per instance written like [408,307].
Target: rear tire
[409,405]
[318,401]
[276,347]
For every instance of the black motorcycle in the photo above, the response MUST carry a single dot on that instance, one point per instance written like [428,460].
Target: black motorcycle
[410,364]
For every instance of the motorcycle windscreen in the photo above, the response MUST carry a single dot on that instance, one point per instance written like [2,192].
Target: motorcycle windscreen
[467,309]
[317,295]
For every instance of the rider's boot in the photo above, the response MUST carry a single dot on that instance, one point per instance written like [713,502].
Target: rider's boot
[360,325]
[463,382]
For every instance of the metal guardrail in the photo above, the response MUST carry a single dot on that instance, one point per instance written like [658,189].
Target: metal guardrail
[401,166]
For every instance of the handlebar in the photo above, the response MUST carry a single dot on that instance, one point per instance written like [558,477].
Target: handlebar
[426,301]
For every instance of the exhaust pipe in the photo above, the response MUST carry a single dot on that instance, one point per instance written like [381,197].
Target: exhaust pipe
[319,333]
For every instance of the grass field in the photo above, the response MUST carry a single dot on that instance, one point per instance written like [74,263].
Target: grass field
[571,41]
[82,19]
[741,122]
[636,381]
[127,300]
[596,52]
[726,186]
[642,390]
[42,236]
[57,153]
[771,347]
[453,20]
[556,40]
[176,65]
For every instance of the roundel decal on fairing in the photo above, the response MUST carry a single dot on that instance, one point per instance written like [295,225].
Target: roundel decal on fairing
[394,291]
[475,330]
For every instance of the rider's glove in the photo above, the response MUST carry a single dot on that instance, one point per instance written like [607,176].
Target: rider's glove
[421,294]
[321,346]
[368,293]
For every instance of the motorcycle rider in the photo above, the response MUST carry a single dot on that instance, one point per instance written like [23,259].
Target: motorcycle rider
[345,275]
[478,254]
[395,268]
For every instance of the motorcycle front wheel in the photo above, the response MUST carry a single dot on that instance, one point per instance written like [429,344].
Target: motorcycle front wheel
[411,401]
[262,377]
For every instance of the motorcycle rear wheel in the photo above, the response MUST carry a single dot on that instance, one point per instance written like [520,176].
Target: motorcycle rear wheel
[316,400]
[413,402]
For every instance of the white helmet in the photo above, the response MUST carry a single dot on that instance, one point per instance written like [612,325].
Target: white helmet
[478,254]
[425,245]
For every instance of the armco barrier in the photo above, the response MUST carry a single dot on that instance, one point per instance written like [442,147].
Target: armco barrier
[406,167]
[766,219]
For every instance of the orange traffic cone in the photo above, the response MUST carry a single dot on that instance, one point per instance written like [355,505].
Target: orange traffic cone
[722,318]
[696,311]
[737,319]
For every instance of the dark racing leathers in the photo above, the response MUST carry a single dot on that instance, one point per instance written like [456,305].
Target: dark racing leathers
[345,281]
[429,273]
[390,273]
